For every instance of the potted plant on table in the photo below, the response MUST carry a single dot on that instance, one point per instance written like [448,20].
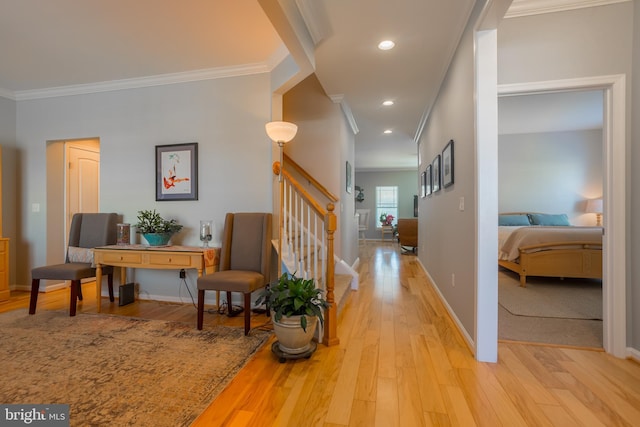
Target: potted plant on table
[156,230]
[298,305]
[386,220]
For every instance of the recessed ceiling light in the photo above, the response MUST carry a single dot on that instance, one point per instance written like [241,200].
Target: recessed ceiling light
[388,131]
[387,103]
[386,45]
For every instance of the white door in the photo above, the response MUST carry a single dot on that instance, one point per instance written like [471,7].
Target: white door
[83,179]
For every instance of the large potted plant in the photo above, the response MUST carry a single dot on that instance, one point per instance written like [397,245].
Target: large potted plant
[156,230]
[298,306]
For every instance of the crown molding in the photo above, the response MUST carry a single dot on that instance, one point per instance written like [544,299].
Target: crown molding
[4,93]
[346,110]
[141,82]
[536,7]
[313,19]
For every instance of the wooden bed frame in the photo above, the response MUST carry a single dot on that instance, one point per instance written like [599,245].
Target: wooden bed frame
[559,259]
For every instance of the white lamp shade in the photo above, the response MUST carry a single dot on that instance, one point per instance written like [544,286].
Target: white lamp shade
[281,131]
[594,206]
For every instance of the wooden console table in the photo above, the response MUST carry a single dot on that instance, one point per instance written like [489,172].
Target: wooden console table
[205,260]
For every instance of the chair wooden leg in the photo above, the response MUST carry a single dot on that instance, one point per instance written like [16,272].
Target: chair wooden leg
[110,285]
[200,309]
[247,313]
[75,284]
[79,291]
[33,301]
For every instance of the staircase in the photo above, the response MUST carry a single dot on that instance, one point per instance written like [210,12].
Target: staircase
[306,244]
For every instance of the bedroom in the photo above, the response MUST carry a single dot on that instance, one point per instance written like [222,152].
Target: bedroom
[551,161]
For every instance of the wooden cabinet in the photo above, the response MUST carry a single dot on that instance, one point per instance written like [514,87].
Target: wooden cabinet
[4,269]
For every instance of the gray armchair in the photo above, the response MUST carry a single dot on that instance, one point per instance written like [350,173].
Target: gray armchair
[88,230]
[245,262]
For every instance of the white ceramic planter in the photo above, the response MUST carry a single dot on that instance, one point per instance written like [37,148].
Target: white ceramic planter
[292,338]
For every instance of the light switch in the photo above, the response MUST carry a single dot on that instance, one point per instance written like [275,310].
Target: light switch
[461,207]
[35,207]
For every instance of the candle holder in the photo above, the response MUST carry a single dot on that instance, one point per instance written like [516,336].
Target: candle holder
[206,232]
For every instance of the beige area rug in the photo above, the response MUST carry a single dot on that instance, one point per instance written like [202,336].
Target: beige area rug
[551,297]
[119,371]
[551,311]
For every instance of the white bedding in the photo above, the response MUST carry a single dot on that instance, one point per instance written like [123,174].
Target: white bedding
[511,239]
[504,231]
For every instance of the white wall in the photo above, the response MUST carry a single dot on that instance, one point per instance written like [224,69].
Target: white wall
[225,116]
[446,234]
[407,188]
[633,302]
[554,172]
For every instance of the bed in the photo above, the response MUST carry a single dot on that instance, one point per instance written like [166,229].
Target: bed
[548,246]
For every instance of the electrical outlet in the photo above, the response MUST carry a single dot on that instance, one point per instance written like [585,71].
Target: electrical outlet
[183,274]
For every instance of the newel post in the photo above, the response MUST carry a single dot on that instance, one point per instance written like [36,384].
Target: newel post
[331,315]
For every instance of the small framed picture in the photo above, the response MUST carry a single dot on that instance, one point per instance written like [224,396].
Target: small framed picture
[429,178]
[435,166]
[423,184]
[177,172]
[447,165]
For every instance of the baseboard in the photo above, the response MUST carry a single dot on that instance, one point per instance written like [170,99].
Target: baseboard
[469,341]
[633,354]
[43,288]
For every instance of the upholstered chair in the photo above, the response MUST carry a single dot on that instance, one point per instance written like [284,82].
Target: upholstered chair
[245,262]
[88,230]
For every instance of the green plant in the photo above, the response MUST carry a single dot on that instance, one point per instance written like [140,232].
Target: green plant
[386,219]
[291,296]
[149,221]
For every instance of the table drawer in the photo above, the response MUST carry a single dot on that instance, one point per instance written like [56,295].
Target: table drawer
[170,259]
[122,257]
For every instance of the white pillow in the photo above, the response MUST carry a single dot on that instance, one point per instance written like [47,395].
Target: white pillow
[81,255]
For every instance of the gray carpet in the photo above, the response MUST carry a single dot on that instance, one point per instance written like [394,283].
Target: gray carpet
[116,371]
[552,311]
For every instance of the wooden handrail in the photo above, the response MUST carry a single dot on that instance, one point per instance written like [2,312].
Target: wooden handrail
[311,179]
[305,194]
[328,217]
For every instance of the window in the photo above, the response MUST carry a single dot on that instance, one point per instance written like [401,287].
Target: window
[386,203]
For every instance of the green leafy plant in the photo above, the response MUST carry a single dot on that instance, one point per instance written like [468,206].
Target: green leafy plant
[291,296]
[149,221]
[386,219]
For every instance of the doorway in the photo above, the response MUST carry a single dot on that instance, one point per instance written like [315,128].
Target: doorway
[550,160]
[614,189]
[59,195]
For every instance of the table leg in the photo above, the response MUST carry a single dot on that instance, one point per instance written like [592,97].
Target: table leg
[99,286]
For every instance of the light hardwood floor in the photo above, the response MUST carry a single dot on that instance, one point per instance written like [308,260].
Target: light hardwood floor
[401,362]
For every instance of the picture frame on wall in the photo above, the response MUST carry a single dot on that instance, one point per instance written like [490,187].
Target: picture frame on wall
[177,172]
[435,166]
[429,178]
[348,171]
[423,184]
[447,165]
